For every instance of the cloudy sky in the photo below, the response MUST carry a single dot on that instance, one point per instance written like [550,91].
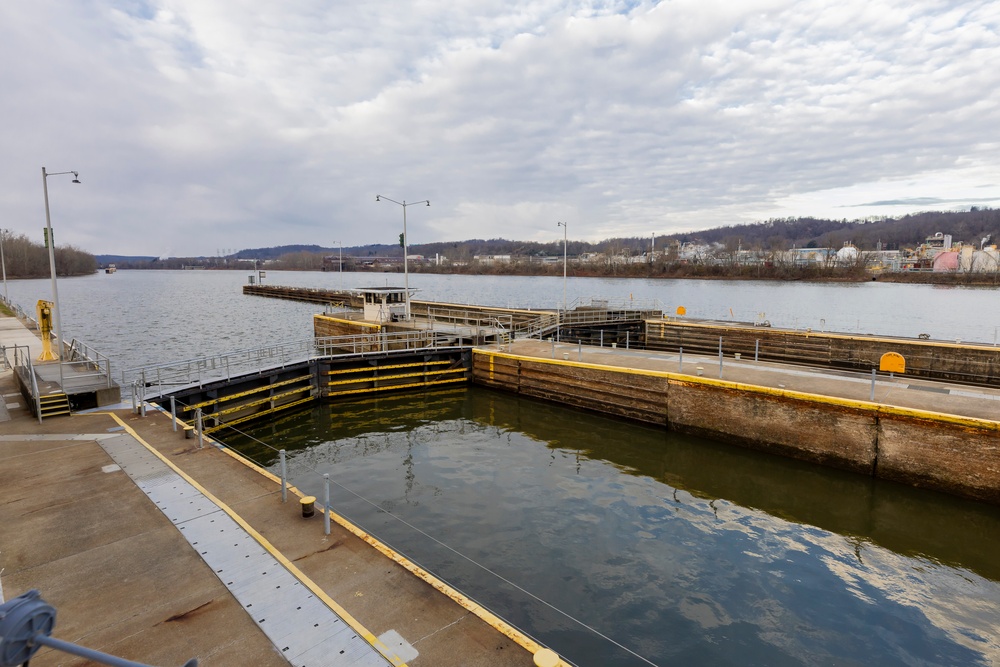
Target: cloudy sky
[200,126]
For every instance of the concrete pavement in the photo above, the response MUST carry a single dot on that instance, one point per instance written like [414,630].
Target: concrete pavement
[126,581]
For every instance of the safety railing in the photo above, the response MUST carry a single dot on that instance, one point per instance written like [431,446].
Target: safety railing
[82,358]
[225,366]
[975,364]
[469,319]
[537,326]
[25,370]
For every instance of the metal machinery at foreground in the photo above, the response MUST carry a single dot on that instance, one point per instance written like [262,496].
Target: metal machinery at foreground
[26,623]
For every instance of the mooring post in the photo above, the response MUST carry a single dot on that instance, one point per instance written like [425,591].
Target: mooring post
[197,416]
[756,349]
[284,476]
[135,409]
[579,350]
[142,400]
[626,340]
[680,360]
[720,356]
[326,503]
[872,398]
[173,411]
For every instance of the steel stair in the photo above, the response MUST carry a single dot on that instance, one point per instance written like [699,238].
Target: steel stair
[53,405]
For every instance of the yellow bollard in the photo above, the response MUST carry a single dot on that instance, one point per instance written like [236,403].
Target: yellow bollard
[546,657]
[308,506]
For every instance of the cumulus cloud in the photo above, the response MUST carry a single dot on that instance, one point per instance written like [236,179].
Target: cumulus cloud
[197,126]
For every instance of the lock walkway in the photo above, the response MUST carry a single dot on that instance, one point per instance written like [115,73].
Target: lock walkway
[108,515]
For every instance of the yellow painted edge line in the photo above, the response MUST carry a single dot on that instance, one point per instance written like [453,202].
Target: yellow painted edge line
[972,422]
[461,599]
[378,378]
[827,334]
[362,369]
[394,386]
[260,401]
[359,323]
[230,397]
[288,565]
[262,413]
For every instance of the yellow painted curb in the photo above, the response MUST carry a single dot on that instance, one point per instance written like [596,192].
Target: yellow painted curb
[288,565]
[465,602]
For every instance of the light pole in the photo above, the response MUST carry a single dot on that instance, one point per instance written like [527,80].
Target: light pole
[3,264]
[52,264]
[406,270]
[565,230]
[340,245]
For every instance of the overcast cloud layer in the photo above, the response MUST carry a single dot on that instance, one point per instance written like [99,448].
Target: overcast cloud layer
[202,125]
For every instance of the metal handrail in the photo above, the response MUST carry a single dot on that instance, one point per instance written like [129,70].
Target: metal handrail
[26,370]
[198,370]
[80,352]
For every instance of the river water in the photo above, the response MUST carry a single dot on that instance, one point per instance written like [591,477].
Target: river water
[614,543]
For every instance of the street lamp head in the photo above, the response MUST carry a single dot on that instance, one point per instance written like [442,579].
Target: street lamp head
[428,202]
[377,199]
[76,177]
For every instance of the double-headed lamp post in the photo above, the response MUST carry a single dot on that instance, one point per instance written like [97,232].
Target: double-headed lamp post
[406,252]
[565,230]
[52,263]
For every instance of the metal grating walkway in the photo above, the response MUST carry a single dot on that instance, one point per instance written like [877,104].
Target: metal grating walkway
[306,631]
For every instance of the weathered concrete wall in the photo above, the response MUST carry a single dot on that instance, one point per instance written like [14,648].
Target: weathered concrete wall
[942,452]
[790,425]
[642,397]
[960,456]
[978,364]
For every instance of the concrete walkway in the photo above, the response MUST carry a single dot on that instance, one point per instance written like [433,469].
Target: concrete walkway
[114,555]
[930,395]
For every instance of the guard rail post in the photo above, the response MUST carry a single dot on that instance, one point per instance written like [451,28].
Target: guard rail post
[326,503]
[284,476]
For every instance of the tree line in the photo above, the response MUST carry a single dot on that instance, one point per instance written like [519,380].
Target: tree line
[23,258]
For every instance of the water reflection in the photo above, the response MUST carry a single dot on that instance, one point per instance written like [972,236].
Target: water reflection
[684,550]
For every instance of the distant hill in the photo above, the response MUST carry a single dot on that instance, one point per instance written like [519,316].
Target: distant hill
[777,234]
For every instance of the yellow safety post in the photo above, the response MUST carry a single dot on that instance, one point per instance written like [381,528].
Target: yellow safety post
[44,311]
[892,362]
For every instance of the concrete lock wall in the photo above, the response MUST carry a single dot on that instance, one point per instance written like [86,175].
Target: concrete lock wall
[941,452]
[961,456]
[777,422]
[933,359]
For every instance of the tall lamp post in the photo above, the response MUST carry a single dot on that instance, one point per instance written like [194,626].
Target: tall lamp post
[565,230]
[340,245]
[52,263]
[3,264]
[406,270]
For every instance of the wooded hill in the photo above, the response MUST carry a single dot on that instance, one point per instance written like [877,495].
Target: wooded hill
[777,234]
[23,258]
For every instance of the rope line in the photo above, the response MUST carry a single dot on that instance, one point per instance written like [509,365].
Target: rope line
[403,521]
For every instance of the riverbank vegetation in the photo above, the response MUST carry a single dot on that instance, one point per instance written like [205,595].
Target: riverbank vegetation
[886,249]
[23,258]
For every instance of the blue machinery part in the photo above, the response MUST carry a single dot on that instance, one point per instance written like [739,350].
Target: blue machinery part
[25,625]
